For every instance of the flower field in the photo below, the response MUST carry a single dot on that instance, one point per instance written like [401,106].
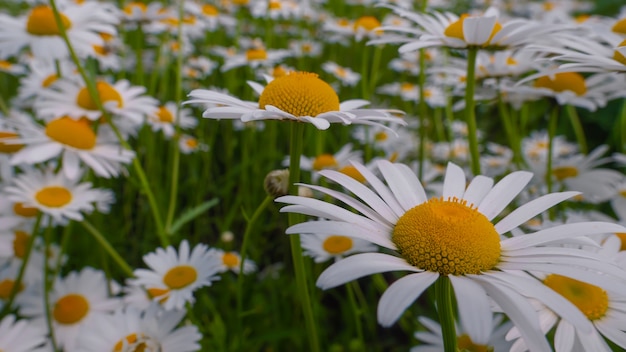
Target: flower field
[280,175]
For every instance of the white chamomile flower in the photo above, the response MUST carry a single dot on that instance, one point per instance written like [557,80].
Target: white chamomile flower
[323,247]
[165,119]
[173,277]
[232,261]
[188,144]
[452,237]
[21,335]
[345,75]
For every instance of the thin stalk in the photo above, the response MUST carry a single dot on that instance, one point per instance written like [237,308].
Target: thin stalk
[513,138]
[47,287]
[445,310]
[3,106]
[357,313]
[422,112]
[102,241]
[470,114]
[578,128]
[374,68]
[552,124]
[297,133]
[20,274]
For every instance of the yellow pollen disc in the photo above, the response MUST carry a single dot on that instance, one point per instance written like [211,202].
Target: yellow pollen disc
[405,87]
[381,136]
[591,300]
[20,242]
[324,161]
[41,21]
[563,81]
[300,94]
[274,5]
[53,196]
[448,237]
[180,276]
[76,134]
[5,65]
[623,193]
[307,48]
[192,143]
[105,91]
[620,26]
[548,6]
[564,172]
[352,172]
[341,72]
[164,115]
[369,23]
[511,61]
[278,71]
[337,244]
[622,237]
[157,292]
[9,148]
[256,54]
[5,288]
[210,10]
[465,343]
[21,210]
[130,339]
[131,6]
[619,57]
[49,80]
[230,260]
[394,156]
[582,18]
[70,309]
[100,50]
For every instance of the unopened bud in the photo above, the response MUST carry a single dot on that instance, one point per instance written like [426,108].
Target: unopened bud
[276,183]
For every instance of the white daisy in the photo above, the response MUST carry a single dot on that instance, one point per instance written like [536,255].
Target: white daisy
[211,16]
[39,32]
[75,301]
[21,335]
[296,96]
[132,330]
[255,57]
[43,73]
[336,161]
[232,261]
[344,75]
[173,277]
[323,247]
[58,196]
[165,119]
[453,237]
[188,144]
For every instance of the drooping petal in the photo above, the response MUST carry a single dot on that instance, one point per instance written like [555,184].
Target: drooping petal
[401,294]
[474,308]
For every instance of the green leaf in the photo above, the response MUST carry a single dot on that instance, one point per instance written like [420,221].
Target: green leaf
[191,214]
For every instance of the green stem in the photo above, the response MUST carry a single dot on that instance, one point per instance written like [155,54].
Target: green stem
[578,128]
[470,114]
[296,145]
[20,275]
[374,68]
[513,138]
[445,310]
[357,313]
[48,283]
[3,106]
[422,112]
[102,241]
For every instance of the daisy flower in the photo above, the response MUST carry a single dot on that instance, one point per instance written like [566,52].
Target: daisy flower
[232,261]
[345,75]
[135,12]
[12,68]
[76,300]
[468,337]
[43,73]
[21,335]
[453,237]
[188,144]
[255,57]
[296,96]
[75,142]
[323,247]
[211,16]
[336,161]
[133,330]
[39,32]
[58,196]
[164,119]
[173,277]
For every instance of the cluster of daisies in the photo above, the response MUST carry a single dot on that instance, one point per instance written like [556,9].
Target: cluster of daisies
[531,246]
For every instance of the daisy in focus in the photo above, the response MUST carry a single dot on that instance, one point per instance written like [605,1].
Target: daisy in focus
[57,196]
[452,237]
[297,96]
[174,276]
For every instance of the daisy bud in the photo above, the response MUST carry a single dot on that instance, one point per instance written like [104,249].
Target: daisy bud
[227,236]
[276,183]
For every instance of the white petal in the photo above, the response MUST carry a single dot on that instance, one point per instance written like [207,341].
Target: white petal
[382,190]
[564,337]
[474,308]
[477,30]
[401,294]
[343,229]
[359,265]
[561,232]
[503,193]
[398,185]
[454,182]
[477,189]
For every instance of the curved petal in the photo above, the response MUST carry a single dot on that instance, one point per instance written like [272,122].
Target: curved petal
[342,229]
[475,312]
[401,189]
[477,190]
[503,193]
[561,232]
[564,336]
[401,294]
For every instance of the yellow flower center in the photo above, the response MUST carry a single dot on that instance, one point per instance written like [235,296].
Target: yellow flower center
[74,133]
[9,148]
[41,21]
[448,237]
[300,94]
[511,61]
[619,57]
[274,5]
[210,10]
[564,172]
[381,136]
[100,50]
[230,260]
[20,242]
[563,81]
[548,6]
[341,72]
[157,292]
[455,29]
[591,300]
[131,6]
[256,54]
[405,87]
[464,343]
[105,91]
[164,115]
[622,237]
[53,196]
[324,161]
[5,65]
[49,80]
[352,172]
[21,210]
[192,143]
[6,286]
[180,276]
[70,309]
[278,71]
[368,23]
[337,244]
[620,26]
